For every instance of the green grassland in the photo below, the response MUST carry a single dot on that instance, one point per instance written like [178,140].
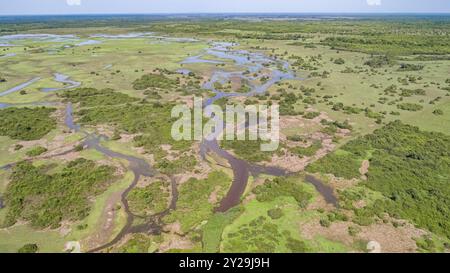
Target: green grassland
[364,74]
[255,231]
[364,89]
[14,238]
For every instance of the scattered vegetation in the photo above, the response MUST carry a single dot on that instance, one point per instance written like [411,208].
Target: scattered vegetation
[411,67]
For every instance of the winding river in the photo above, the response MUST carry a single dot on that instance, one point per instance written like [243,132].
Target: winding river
[248,63]
[253,62]
[138,166]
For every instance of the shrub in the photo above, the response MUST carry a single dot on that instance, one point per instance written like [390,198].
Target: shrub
[354,230]
[325,222]
[18,147]
[296,246]
[345,166]
[296,138]
[36,151]
[275,213]
[339,61]
[413,107]
[379,61]
[308,151]
[79,148]
[249,150]
[311,115]
[28,248]
[411,67]
[438,112]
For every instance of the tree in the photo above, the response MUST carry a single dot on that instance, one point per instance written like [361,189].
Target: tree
[339,61]
[438,112]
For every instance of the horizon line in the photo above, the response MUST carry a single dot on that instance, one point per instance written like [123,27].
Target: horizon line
[235,13]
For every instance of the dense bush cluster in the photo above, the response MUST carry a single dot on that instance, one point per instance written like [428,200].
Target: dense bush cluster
[282,186]
[26,123]
[91,97]
[411,168]
[45,200]
[411,67]
[152,199]
[153,81]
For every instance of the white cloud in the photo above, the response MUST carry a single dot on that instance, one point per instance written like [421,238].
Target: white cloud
[73,2]
[374,2]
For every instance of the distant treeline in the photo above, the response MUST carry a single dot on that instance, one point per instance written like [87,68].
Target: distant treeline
[216,23]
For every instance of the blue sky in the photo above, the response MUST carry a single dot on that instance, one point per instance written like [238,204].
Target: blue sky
[11,7]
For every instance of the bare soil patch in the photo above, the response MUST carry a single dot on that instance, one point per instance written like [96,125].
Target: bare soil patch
[391,239]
